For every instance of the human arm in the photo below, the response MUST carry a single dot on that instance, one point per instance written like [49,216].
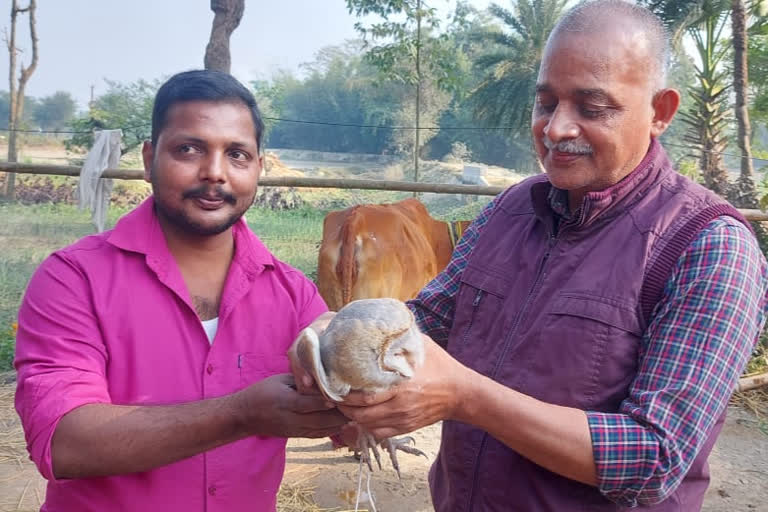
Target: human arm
[104,439]
[72,427]
[552,436]
[697,344]
[694,350]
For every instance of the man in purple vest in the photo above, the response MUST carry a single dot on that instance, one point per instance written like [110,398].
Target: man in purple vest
[593,321]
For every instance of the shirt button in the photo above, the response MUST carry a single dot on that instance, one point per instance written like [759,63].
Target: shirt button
[210,371]
[212,490]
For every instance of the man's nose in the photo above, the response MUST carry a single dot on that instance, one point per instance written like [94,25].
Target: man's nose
[213,168]
[561,125]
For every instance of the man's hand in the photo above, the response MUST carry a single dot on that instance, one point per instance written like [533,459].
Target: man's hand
[304,381]
[433,394]
[273,407]
[148,437]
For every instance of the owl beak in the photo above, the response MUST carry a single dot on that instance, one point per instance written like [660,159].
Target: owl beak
[399,365]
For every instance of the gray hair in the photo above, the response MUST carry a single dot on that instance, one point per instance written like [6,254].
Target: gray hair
[588,15]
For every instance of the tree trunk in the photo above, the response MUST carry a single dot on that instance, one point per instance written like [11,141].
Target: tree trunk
[744,194]
[227,16]
[16,93]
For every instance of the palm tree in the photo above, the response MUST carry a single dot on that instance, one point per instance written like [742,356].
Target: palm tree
[704,21]
[505,95]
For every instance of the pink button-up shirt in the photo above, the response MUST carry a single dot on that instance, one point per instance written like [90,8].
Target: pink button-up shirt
[109,320]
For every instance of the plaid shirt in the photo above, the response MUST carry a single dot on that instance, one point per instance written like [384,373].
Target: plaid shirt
[698,341]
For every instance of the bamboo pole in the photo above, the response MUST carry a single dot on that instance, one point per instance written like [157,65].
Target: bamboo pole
[275,181]
[752,382]
[300,182]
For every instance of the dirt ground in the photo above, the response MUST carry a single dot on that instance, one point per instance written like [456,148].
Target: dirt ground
[739,465]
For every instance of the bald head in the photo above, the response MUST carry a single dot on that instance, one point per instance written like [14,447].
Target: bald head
[599,18]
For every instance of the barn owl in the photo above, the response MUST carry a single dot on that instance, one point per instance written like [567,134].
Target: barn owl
[369,345]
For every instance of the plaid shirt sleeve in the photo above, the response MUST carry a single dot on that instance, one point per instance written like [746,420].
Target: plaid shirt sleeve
[435,304]
[695,348]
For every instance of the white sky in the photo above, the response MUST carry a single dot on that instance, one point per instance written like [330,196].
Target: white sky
[81,42]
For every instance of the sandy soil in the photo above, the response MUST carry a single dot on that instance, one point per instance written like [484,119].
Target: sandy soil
[739,465]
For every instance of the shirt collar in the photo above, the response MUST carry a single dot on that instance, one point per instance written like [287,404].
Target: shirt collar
[139,231]
[595,204]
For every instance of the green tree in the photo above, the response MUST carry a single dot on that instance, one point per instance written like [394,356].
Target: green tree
[341,89]
[124,106]
[55,112]
[682,76]
[30,107]
[511,63]
[410,50]
[458,122]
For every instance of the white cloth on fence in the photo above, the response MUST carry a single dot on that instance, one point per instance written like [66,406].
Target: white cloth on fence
[93,191]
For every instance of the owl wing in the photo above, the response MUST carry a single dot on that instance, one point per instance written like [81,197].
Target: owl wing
[308,351]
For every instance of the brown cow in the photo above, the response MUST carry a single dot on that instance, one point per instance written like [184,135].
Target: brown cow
[382,250]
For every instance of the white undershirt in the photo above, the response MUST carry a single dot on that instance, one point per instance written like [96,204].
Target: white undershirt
[210,327]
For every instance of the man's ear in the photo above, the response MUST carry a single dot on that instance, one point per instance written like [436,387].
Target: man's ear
[260,171]
[148,155]
[665,104]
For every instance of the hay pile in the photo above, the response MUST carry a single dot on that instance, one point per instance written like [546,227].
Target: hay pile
[274,167]
[297,496]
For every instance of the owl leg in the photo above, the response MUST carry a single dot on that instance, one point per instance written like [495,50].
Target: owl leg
[402,444]
[366,444]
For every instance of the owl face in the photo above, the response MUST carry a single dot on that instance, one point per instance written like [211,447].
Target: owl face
[404,354]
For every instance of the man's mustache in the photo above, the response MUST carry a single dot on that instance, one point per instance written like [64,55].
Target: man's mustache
[568,146]
[215,194]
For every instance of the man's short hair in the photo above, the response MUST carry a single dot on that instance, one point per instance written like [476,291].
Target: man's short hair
[591,14]
[203,85]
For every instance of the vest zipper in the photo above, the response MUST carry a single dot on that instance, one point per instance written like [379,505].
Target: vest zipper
[550,245]
[475,304]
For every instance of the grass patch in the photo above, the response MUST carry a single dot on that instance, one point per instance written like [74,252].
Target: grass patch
[293,236]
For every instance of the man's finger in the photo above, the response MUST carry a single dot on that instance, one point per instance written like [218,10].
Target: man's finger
[311,403]
[361,399]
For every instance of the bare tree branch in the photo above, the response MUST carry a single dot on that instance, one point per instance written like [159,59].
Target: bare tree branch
[16,90]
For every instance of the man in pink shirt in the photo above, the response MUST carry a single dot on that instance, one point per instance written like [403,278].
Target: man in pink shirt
[151,358]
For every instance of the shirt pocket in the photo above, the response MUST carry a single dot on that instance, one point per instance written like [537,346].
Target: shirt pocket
[587,351]
[479,312]
[256,366]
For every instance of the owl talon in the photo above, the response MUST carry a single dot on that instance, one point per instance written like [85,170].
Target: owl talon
[365,445]
[402,444]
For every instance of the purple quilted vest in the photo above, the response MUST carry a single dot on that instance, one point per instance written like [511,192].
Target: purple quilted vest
[560,317]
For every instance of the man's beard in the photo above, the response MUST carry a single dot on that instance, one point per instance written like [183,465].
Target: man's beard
[184,223]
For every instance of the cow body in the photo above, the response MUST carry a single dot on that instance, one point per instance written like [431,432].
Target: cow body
[380,250]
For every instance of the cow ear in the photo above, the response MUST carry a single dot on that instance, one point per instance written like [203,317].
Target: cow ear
[308,352]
